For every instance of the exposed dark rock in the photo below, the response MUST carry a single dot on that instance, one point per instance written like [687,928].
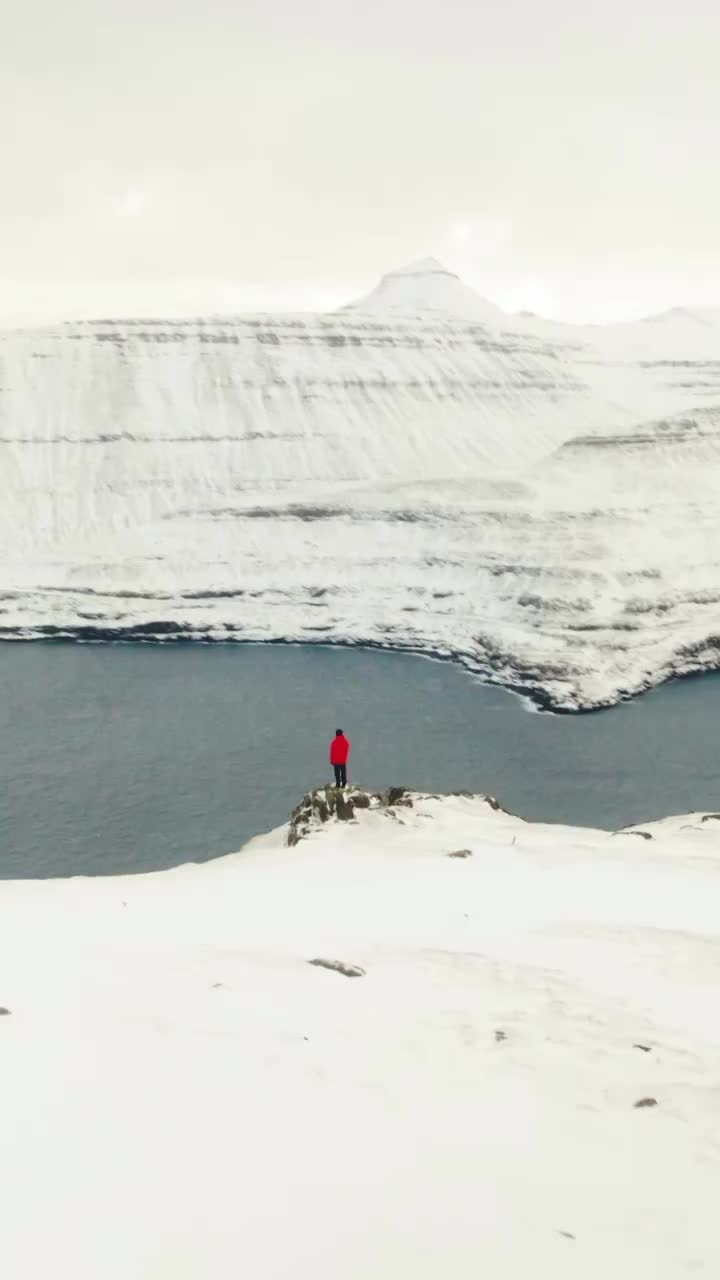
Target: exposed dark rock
[492,801]
[644,835]
[305,807]
[328,802]
[460,853]
[322,808]
[4,1013]
[339,966]
[500,1036]
[710,817]
[396,795]
[646,1102]
[344,807]
[495,804]
[646,1048]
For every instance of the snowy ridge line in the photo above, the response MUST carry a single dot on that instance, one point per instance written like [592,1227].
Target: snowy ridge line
[326,805]
[124,437]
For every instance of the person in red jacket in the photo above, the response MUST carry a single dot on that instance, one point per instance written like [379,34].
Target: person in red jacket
[339,755]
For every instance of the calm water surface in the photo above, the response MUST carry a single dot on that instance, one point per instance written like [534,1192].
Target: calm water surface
[130,758]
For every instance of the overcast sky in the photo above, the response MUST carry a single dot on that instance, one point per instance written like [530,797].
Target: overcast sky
[189,155]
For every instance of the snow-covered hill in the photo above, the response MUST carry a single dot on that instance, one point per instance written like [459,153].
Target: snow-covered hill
[417,470]
[428,288]
[523,1082]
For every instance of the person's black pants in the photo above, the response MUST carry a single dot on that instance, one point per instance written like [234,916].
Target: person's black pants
[340,775]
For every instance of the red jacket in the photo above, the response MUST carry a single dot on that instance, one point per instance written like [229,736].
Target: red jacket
[339,749]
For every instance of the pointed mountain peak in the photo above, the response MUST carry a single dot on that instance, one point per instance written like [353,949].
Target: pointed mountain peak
[423,267]
[427,287]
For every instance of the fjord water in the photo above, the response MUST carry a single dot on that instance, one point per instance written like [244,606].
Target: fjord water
[118,758]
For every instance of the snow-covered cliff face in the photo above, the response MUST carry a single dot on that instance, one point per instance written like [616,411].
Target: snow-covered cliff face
[419,469]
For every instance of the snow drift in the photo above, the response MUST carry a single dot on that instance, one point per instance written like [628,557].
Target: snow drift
[503,1064]
[419,470]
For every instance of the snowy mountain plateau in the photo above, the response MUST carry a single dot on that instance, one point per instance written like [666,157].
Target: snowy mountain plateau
[418,470]
[431,1040]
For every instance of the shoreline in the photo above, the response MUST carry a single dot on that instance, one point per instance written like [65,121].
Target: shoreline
[166,634]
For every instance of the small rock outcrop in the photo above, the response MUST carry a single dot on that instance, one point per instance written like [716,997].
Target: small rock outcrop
[340,803]
[394,796]
[460,853]
[492,801]
[344,807]
[644,835]
[339,966]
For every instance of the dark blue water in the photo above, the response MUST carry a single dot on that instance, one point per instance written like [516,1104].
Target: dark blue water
[129,758]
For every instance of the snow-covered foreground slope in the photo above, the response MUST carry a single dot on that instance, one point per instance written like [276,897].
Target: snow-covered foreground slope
[186,1096]
[418,470]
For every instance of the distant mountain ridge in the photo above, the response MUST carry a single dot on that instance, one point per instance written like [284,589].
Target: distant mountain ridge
[428,286]
[417,470]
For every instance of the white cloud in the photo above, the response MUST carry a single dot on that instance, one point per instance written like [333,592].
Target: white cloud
[461,231]
[133,203]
